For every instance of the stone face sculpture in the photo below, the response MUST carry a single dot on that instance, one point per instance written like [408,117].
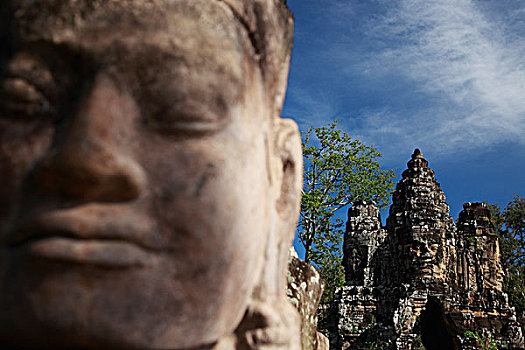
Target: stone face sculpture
[420,219]
[149,188]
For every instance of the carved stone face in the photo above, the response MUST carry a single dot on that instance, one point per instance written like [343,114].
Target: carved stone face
[136,147]
[424,258]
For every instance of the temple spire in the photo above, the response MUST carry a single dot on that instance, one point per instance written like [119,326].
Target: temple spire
[417,154]
[417,160]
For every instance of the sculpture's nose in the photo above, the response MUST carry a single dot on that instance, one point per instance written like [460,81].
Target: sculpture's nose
[90,162]
[426,255]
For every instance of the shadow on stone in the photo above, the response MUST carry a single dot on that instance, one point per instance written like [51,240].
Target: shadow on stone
[434,332]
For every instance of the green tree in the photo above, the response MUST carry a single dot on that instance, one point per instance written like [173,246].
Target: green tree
[510,224]
[338,171]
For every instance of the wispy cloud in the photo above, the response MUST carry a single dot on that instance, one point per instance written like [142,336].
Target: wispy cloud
[452,52]
[309,109]
[448,75]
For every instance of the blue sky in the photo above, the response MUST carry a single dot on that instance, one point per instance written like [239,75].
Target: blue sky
[446,76]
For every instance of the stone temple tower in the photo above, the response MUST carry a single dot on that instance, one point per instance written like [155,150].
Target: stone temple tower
[363,237]
[478,259]
[421,227]
[421,281]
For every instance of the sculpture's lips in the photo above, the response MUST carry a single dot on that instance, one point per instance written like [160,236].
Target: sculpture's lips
[88,235]
[88,222]
[113,254]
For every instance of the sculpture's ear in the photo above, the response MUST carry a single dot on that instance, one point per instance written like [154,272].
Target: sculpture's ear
[270,320]
[289,170]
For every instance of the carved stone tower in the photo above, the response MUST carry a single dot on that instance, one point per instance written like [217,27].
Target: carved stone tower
[421,227]
[363,237]
[479,266]
[421,281]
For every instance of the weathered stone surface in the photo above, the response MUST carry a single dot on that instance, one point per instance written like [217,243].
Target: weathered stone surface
[427,282]
[363,236]
[322,342]
[478,259]
[305,289]
[150,190]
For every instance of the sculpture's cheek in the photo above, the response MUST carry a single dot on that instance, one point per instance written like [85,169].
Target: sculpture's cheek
[210,198]
[22,145]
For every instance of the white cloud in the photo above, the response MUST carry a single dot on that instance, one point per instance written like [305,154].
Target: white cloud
[308,109]
[472,69]
[444,75]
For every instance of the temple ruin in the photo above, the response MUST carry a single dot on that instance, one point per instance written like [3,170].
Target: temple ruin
[421,282]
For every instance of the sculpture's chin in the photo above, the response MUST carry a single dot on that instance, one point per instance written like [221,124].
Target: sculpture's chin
[54,305]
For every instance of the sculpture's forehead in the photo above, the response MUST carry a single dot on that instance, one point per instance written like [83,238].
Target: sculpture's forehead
[200,32]
[60,20]
[425,242]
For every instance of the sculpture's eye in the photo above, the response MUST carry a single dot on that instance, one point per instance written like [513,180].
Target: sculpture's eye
[181,121]
[181,96]
[20,99]
[27,91]
[182,109]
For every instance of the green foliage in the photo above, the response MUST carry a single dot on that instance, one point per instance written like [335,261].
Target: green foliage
[470,334]
[487,343]
[338,171]
[376,345]
[472,239]
[328,258]
[510,225]
[417,344]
